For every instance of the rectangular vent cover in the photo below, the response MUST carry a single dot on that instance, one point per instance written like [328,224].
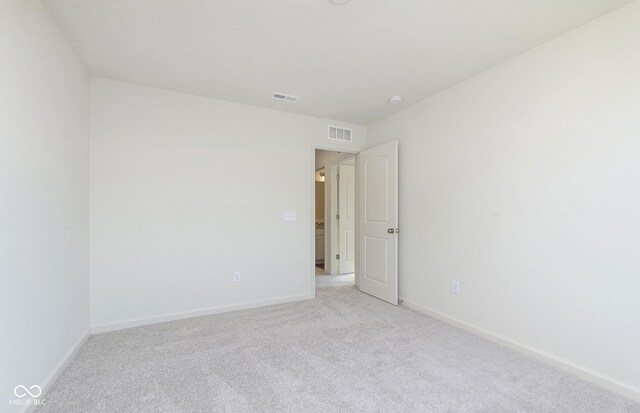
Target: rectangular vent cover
[340,134]
[285,98]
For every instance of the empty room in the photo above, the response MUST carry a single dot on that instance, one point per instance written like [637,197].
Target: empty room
[320,206]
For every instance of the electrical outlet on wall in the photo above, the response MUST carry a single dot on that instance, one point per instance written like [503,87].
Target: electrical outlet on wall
[236,276]
[455,287]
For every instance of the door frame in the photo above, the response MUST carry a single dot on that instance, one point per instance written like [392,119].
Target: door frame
[312,215]
[333,211]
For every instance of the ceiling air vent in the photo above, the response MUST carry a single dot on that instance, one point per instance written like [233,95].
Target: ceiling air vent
[285,98]
[340,134]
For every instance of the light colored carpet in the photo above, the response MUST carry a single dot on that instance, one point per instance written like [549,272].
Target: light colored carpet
[343,352]
[326,281]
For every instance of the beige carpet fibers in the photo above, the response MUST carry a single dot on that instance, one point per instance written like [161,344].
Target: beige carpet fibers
[343,352]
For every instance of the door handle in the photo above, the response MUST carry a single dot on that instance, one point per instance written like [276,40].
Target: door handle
[391,230]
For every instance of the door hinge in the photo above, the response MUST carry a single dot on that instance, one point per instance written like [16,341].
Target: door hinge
[338,217]
[337,256]
[338,176]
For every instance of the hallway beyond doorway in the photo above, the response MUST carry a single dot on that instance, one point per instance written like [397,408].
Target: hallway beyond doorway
[324,280]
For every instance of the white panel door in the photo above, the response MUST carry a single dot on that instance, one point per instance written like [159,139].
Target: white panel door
[347,221]
[378,221]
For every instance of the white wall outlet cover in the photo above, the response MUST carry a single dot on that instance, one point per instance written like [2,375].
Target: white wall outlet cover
[290,215]
[236,276]
[455,287]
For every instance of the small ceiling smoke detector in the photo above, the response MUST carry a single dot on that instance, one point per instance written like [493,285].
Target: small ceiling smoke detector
[394,100]
[285,98]
[340,2]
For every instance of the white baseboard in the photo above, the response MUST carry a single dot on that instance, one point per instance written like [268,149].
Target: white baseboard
[585,373]
[58,369]
[119,325]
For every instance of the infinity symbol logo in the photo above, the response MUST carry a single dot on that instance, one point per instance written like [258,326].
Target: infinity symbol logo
[21,391]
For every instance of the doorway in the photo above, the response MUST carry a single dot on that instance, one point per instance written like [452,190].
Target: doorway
[335,212]
[356,236]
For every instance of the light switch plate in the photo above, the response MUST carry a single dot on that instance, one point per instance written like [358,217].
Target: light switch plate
[290,215]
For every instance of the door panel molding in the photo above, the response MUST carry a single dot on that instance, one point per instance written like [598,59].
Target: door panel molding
[377,170]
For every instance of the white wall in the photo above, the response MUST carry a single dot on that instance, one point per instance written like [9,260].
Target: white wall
[184,191]
[522,183]
[44,198]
